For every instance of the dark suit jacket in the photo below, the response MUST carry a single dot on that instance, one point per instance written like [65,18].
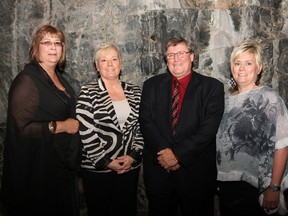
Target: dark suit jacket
[194,143]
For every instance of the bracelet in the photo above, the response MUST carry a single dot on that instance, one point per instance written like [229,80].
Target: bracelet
[52,126]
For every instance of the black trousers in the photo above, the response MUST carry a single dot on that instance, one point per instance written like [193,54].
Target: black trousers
[111,194]
[239,198]
[175,201]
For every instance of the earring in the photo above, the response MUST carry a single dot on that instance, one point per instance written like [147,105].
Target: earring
[232,83]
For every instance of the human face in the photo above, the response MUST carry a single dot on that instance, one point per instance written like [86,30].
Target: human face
[108,64]
[179,66]
[245,71]
[50,50]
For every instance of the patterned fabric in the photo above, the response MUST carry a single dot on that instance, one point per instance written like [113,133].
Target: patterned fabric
[175,105]
[102,137]
[254,124]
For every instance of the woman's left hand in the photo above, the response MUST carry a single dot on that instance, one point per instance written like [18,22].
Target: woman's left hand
[70,126]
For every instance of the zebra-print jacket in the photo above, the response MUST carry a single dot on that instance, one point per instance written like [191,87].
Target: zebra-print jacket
[101,135]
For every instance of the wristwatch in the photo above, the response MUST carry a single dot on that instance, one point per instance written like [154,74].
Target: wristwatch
[274,187]
[52,126]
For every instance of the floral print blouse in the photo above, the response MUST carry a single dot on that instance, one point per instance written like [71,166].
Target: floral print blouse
[254,125]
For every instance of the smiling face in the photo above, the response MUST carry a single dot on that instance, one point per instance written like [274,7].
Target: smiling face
[108,64]
[50,50]
[39,40]
[180,61]
[245,71]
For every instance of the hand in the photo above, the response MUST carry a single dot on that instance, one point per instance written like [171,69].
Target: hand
[121,164]
[70,126]
[167,158]
[270,199]
[174,168]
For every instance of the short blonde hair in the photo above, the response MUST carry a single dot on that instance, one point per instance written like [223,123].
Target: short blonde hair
[106,46]
[252,47]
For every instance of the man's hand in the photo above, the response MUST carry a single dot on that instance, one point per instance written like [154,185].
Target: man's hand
[167,159]
[174,168]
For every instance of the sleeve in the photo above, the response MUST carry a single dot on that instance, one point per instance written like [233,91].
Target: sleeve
[23,106]
[281,125]
[88,130]
[154,141]
[276,117]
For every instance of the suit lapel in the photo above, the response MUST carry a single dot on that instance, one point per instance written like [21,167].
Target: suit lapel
[165,101]
[46,80]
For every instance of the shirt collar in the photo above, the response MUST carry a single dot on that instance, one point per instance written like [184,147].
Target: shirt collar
[184,80]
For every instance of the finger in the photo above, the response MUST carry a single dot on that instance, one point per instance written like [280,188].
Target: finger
[161,152]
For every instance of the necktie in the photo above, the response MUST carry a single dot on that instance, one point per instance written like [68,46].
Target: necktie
[175,105]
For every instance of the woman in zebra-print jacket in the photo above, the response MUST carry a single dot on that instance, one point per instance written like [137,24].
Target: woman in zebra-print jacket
[108,112]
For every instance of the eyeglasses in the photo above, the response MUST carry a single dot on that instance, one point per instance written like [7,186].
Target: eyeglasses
[50,43]
[180,55]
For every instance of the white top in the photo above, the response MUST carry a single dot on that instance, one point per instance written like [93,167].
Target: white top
[122,110]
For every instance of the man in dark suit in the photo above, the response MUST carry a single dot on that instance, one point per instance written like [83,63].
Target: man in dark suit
[179,161]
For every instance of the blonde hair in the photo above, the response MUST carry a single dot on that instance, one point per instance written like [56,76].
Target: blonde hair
[106,46]
[252,47]
[247,47]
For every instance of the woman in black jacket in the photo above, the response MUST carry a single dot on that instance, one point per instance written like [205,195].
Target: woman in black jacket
[42,144]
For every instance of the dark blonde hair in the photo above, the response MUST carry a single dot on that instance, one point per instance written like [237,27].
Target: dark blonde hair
[106,46]
[39,35]
[175,41]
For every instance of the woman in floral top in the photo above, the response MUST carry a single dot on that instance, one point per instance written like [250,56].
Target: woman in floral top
[251,141]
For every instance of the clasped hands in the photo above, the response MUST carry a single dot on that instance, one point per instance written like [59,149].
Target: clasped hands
[121,164]
[167,160]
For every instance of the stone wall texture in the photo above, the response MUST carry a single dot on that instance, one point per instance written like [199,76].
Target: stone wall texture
[141,29]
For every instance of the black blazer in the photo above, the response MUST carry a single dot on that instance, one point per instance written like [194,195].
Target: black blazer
[31,152]
[194,143]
